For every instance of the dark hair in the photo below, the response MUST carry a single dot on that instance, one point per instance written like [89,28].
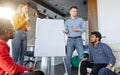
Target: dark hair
[97,34]
[73,7]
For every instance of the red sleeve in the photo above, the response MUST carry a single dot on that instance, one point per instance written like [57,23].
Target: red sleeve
[8,65]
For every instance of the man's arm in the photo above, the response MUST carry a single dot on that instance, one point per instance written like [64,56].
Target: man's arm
[112,59]
[8,65]
[82,25]
[65,31]
[90,58]
[66,28]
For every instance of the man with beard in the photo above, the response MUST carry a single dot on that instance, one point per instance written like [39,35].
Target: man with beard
[100,55]
[7,65]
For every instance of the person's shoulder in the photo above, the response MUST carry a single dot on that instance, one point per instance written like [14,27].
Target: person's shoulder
[3,45]
[67,20]
[104,44]
[16,14]
[2,42]
[80,18]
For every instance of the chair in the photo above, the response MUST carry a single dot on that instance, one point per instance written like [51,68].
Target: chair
[29,56]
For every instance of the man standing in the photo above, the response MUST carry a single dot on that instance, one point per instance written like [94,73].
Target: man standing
[74,27]
[100,55]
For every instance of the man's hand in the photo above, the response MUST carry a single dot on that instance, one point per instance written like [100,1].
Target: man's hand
[27,19]
[75,29]
[33,69]
[109,67]
[28,28]
[65,31]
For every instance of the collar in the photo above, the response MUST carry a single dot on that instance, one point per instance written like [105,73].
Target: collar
[73,19]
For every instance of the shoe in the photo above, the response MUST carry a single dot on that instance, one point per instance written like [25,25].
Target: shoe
[65,73]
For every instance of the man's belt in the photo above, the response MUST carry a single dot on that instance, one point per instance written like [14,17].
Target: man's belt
[75,37]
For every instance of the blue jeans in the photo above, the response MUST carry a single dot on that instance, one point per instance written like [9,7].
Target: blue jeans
[19,46]
[72,44]
[105,71]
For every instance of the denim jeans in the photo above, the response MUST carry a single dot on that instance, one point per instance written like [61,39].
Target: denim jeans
[72,44]
[105,71]
[19,46]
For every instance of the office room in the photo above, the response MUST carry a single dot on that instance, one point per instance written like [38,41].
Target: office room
[55,36]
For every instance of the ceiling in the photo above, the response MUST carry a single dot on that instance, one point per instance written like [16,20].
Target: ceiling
[54,8]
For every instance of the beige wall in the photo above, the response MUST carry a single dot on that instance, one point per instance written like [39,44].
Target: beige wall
[32,24]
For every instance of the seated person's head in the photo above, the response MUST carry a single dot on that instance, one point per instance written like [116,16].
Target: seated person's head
[95,37]
[6,29]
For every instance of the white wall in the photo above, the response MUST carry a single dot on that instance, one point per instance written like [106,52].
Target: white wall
[109,24]
[109,20]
